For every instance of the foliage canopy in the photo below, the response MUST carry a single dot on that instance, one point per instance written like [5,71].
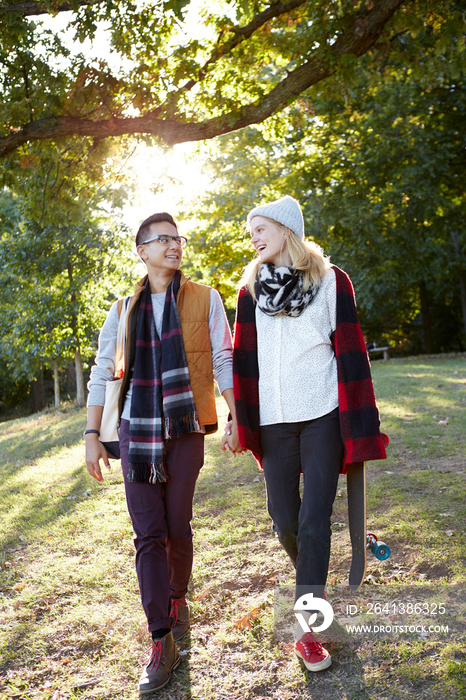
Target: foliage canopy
[378,170]
[184,71]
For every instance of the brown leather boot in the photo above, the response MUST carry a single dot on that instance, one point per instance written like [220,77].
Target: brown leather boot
[164,658]
[179,618]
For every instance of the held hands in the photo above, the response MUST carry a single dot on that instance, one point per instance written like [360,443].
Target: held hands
[95,451]
[230,439]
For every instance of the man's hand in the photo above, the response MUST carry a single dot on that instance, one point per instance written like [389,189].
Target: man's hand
[230,439]
[95,451]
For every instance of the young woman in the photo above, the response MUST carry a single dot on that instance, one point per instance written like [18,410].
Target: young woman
[177,341]
[303,391]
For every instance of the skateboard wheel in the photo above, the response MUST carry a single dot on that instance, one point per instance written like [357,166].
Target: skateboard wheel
[381,550]
[378,548]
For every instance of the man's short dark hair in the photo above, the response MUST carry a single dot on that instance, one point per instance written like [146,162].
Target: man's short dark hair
[144,229]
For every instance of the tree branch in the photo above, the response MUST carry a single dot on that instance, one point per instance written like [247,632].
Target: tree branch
[35,7]
[361,33]
[243,33]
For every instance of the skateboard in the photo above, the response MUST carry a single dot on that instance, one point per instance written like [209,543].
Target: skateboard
[360,541]
[356,483]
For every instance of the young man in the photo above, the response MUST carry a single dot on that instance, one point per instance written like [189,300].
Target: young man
[177,341]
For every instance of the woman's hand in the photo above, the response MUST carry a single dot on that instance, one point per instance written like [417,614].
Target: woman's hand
[95,451]
[230,439]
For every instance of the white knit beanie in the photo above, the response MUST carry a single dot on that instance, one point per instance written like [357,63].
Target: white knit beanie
[285,210]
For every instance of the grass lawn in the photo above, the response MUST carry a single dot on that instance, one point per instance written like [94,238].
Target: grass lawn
[71,625]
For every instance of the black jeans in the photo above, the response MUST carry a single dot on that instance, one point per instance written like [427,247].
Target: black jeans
[302,523]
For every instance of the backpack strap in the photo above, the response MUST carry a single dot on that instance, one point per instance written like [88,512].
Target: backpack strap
[121,334]
[120,305]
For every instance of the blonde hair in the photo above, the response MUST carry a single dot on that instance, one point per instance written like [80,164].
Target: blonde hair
[306,256]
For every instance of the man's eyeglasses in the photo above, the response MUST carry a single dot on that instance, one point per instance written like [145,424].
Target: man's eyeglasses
[167,240]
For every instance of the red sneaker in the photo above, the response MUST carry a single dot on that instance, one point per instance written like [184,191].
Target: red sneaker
[312,653]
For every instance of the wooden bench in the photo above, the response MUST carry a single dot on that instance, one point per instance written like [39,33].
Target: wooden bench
[386,355]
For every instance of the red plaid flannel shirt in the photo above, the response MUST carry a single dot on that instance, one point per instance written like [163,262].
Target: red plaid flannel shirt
[359,417]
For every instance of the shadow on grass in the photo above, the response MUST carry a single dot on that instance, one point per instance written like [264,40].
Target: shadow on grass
[222,474]
[22,443]
[32,520]
[344,679]
[41,509]
[16,647]
[29,439]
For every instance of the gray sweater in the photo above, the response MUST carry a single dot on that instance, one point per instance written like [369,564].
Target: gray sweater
[104,367]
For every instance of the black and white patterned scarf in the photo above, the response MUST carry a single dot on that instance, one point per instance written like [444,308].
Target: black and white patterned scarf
[162,402]
[279,290]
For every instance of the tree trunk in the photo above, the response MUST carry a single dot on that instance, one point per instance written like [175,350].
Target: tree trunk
[426,322]
[38,393]
[56,384]
[70,377]
[463,296]
[80,397]
[462,276]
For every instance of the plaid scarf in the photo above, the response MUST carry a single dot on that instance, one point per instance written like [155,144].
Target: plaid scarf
[279,290]
[359,417]
[162,403]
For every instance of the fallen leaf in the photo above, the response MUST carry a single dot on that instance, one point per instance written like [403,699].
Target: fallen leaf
[247,621]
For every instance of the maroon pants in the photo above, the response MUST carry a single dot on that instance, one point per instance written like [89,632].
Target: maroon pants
[161,515]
